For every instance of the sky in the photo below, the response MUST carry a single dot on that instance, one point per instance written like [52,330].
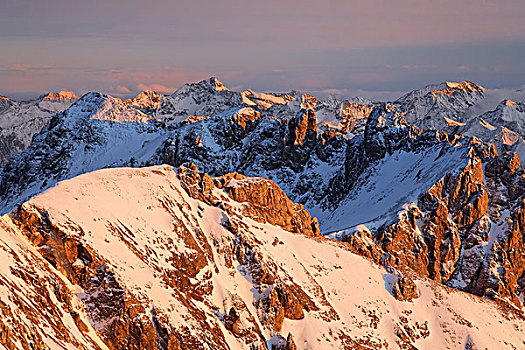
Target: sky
[377,46]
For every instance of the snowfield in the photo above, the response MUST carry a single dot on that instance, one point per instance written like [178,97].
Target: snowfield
[100,249]
[389,185]
[134,219]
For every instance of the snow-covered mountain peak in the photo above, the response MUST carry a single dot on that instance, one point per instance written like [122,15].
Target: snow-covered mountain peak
[207,84]
[445,88]
[96,105]
[302,102]
[266,100]
[386,130]
[19,121]
[147,101]
[219,86]
[509,103]
[308,102]
[60,96]
[205,98]
[210,86]
[5,102]
[508,112]
[504,127]
[428,107]
[387,115]
[448,88]
[347,116]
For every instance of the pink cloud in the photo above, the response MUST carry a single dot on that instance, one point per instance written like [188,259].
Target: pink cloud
[155,87]
[28,67]
[123,89]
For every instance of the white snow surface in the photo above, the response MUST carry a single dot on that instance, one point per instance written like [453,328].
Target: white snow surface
[20,120]
[349,290]
[387,186]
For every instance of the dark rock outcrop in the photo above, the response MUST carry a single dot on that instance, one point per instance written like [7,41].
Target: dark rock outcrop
[405,289]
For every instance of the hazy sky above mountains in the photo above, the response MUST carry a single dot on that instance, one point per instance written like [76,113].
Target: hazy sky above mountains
[120,47]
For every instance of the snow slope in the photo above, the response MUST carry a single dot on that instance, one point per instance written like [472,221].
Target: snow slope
[392,183]
[34,309]
[19,121]
[97,131]
[109,212]
[504,126]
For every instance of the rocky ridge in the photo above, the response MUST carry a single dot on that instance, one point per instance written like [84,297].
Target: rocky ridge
[428,107]
[97,131]
[504,127]
[19,121]
[468,109]
[201,99]
[438,203]
[347,116]
[206,274]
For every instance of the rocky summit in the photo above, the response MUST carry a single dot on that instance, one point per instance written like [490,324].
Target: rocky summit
[218,219]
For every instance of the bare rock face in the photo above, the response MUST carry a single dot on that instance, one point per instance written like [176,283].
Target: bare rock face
[300,139]
[500,272]
[290,343]
[231,322]
[282,303]
[126,323]
[304,128]
[270,204]
[405,289]
[286,344]
[465,231]
[452,204]
[264,200]
[348,117]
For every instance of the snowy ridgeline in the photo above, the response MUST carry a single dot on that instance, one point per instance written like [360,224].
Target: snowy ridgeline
[344,300]
[358,166]
[86,137]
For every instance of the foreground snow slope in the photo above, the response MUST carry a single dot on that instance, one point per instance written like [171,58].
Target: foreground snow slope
[175,259]
[39,307]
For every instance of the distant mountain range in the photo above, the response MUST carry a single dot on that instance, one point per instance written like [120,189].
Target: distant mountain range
[220,219]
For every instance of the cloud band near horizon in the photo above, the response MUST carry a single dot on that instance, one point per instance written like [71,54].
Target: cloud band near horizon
[121,47]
